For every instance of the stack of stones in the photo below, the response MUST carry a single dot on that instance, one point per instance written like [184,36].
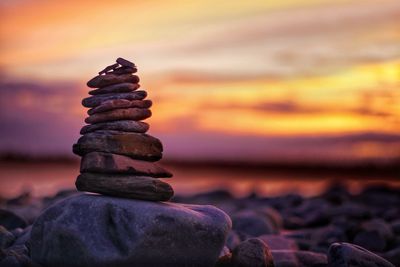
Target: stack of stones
[118,157]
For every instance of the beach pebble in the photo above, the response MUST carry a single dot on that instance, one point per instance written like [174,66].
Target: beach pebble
[252,253]
[125,63]
[97,100]
[6,238]
[110,78]
[115,88]
[125,186]
[123,126]
[109,68]
[345,255]
[120,103]
[124,70]
[135,145]
[101,162]
[91,230]
[253,223]
[293,258]
[135,114]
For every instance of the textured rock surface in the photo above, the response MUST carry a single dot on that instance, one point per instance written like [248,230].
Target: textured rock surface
[252,253]
[10,220]
[91,230]
[120,103]
[115,88]
[286,258]
[125,185]
[96,100]
[135,145]
[345,255]
[135,114]
[109,79]
[253,223]
[112,163]
[123,126]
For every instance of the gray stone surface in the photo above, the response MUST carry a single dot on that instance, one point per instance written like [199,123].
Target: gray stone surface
[135,114]
[91,230]
[115,88]
[252,253]
[135,145]
[120,103]
[110,78]
[123,126]
[125,185]
[125,63]
[294,258]
[346,255]
[124,70]
[253,223]
[100,162]
[96,100]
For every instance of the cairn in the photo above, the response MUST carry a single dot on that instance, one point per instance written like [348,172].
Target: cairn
[118,157]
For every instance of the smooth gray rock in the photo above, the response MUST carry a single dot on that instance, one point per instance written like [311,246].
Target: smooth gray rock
[115,88]
[91,230]
[120,103]
[6,238]
[295,258]
[125,63]
[135,114]
[135,145]
[125,185]
[109,68]
[122,126]
[110,78]
[253,223]
[124,70]
[17,256]
[349,255]
[100,162]
[252,253]
[97,100]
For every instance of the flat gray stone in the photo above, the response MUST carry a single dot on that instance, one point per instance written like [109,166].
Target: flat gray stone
[96,100]
[90,230]
[298,258]
[115,88]
[120,103]
[252,253]
[135,145]
[125,63]
[124,70]
[136,114]
[125,186]
[110,78]
[109,68]
[345,255]
[124,126]
[100,162]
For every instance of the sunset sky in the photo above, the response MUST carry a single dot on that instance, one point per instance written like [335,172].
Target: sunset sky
[289,80]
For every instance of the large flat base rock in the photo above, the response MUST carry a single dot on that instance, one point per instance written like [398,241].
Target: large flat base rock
[89,230]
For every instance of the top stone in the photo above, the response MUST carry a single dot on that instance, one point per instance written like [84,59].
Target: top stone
[125,63]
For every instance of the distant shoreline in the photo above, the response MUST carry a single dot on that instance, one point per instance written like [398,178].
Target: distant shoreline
[384,170]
